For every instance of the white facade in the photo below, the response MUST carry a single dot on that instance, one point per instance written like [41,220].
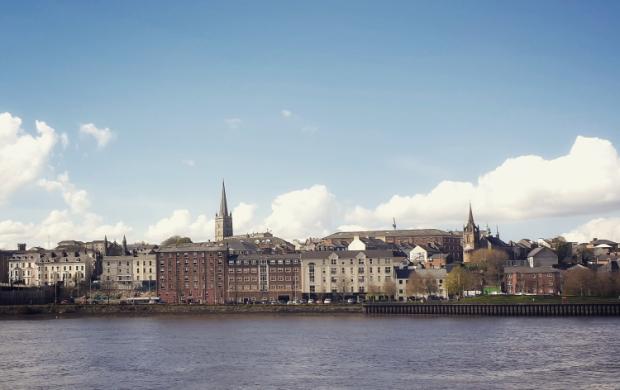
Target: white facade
[42,268]
[357,244]
[348,272]
[144,268]
[418,254]
[128,272]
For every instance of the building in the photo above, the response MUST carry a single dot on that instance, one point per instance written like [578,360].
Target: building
[5,257]
[544,280]
[541,256]
[39,267]
[264,277]
[117,272]
[349,273]
[449,242]
[193,273]
[435,278]
[223,219]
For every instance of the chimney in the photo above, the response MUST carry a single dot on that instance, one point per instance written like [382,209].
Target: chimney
[21,247]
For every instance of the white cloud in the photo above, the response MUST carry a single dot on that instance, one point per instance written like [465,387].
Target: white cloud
[180,222]
[75,198]
[601,228]
[243,217]
[22,160]
[233,123]
[189,163]
[302,213]
[102,136]
[286,113]
[59,225]
[22,156]
[583,181]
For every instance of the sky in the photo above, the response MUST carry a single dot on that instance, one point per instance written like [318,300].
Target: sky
[124,118]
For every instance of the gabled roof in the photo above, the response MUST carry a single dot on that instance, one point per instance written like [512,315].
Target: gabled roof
[530,270]
[351,254]
[389,233]
[536,251]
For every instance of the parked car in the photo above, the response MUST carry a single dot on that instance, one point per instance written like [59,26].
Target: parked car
[311,301]
[302,301]
[350,300]
[327,301]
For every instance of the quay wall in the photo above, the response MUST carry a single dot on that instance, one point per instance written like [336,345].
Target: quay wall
[523,310]
[519,310]
[115,309]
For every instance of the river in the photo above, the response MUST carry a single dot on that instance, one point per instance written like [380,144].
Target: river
[309,352]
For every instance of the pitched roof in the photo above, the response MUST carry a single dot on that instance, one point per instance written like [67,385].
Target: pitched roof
[530,270]
[351,254]
[389,233]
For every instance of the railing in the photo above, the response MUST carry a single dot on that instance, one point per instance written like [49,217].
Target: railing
[527,309]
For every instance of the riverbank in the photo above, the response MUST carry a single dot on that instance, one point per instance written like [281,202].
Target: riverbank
[94,310]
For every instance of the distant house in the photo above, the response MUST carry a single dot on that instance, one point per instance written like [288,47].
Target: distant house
[544,280]
[542,256]
[404,274]
[535,275]
[369,243]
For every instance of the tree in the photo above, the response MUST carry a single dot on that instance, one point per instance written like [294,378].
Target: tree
[415,285]
[431,285]
[176,240]
[389,289]
[459,280]
[563,249]
[579,281]
[373,292]
[490,263]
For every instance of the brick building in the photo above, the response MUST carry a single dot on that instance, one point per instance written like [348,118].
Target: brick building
[544,280]
[192,273]
[264,277]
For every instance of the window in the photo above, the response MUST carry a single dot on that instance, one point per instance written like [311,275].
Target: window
[388,270]
[311,272]
[333,261]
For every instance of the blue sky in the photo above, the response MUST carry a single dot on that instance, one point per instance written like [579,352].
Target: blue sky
[384,99]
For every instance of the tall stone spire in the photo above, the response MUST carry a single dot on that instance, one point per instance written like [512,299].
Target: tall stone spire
[223,219]
[124,245]
[470,221]
[223,202]
[471,237]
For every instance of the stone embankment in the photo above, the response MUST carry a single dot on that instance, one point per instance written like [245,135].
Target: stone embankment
[114,309]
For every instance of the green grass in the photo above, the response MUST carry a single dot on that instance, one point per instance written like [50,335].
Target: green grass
[512,299]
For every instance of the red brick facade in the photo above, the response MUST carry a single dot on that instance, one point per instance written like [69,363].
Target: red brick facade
[192,274]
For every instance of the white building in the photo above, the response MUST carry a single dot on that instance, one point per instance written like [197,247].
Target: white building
[349,272]
[42,268]
[130,271]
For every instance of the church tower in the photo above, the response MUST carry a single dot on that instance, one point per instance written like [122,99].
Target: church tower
[223,220]
[471,237]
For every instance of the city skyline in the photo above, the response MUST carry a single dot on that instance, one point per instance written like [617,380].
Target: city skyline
[407,112]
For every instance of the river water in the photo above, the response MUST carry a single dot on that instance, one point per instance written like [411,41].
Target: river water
[309,352]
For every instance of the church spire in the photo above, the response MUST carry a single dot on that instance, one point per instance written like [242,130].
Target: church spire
[223,202]
[124,245]
[470,221]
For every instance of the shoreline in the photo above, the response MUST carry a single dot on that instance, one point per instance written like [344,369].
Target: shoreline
[390,309]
